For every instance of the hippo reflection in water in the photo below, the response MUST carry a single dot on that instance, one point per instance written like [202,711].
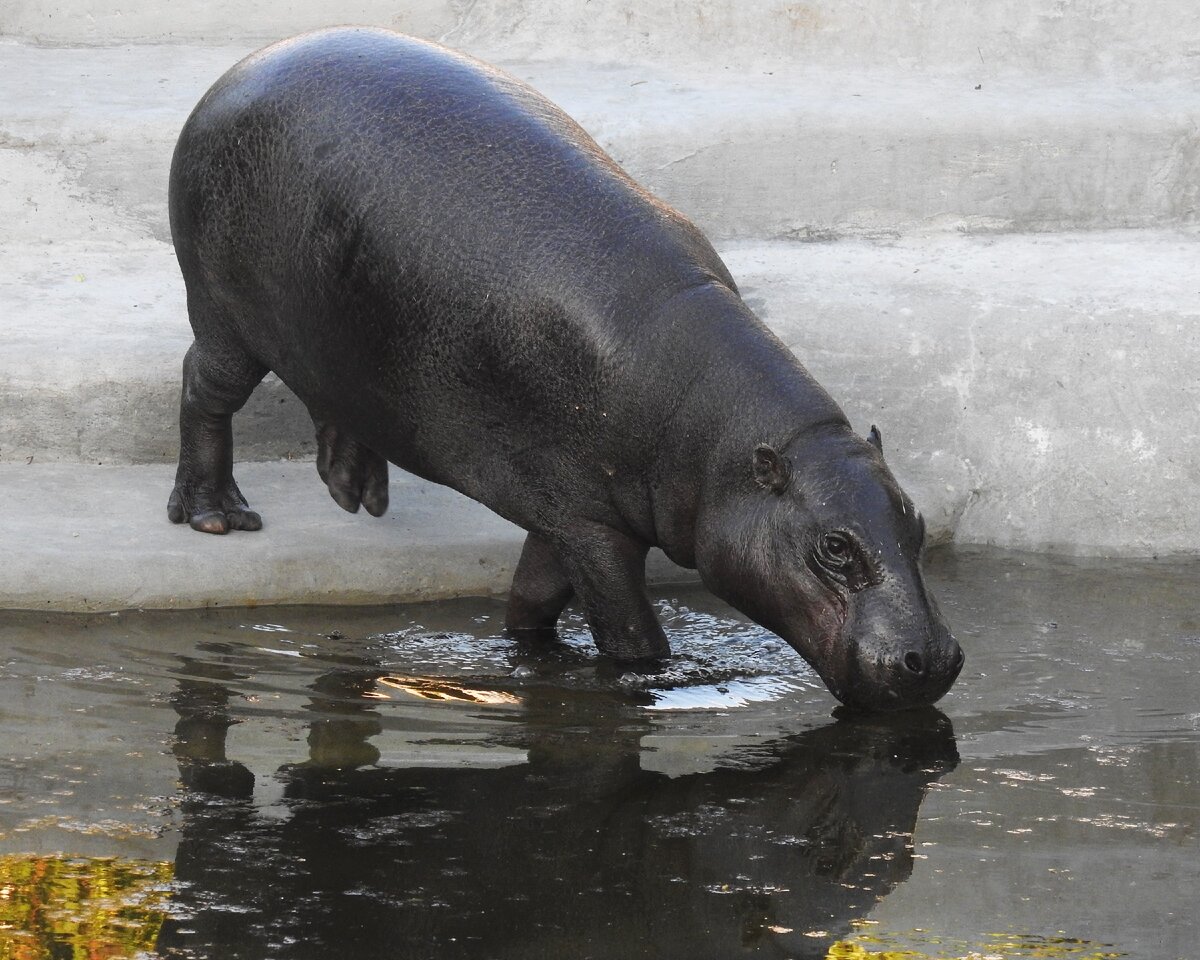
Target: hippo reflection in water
[453,277]
[577,851]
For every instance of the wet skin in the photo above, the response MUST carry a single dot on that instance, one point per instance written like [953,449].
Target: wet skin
[454,278]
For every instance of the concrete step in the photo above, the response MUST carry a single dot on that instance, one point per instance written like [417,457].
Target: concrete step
[1034,391]
[91,345]
[1052,377]
[1099,38]
[86,136]
[81,537]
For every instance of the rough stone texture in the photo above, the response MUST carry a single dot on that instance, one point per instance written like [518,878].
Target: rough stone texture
[102,22]
[91,348]
[979,40]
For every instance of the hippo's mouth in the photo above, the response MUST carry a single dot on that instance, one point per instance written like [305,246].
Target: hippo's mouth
[879,687]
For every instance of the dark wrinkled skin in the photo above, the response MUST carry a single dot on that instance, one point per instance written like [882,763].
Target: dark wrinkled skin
[454,278]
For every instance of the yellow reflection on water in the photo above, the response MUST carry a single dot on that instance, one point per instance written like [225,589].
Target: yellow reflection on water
[993,946]
[448,690]
[79,907]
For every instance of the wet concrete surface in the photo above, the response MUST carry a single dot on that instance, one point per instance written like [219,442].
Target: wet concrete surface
[404,781]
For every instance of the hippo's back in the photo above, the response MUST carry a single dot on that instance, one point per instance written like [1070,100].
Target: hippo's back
[452,171]
[358,207]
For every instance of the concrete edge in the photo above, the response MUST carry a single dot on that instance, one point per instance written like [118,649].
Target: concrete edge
[97,539]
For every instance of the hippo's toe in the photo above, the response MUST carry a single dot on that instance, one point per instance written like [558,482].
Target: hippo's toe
[212,513]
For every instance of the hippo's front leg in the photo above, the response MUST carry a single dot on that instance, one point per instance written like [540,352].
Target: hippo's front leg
[608,571]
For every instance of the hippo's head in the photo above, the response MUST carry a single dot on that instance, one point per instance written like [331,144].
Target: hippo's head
[818,543]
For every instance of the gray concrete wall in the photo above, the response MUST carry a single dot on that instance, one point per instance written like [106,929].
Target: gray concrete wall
[976,223]
[86,138]
[1150,39]
[1147,39]
[1041,393]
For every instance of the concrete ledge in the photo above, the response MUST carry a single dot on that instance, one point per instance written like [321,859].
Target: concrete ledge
[82,537]
[1100,37]
[88,538]
[1055,376]
[1035,392]
[91,348]
[86,137]
[97,538]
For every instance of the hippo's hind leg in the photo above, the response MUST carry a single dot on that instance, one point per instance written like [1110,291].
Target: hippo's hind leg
[216,384]
[355,474]
[540,589]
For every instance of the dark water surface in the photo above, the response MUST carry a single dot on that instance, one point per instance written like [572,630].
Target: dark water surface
[407,783]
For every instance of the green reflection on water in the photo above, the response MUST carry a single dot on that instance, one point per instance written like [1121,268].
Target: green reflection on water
[79,907]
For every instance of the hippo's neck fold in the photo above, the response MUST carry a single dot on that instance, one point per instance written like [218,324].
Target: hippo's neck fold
[741,387]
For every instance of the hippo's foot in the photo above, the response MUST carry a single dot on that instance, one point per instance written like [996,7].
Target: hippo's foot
[211,512]
[217,380]
[355,474]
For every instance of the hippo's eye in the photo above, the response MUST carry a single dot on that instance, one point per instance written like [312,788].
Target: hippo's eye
[836,550]
[838,557]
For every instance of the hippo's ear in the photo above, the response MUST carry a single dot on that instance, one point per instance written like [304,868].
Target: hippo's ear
[874,439]
[772,470]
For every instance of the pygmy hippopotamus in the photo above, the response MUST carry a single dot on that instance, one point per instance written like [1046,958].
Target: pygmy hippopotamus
[453,277]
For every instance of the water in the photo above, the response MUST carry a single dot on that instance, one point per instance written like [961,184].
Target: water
[405,782]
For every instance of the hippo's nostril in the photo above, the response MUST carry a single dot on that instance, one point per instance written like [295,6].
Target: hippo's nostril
[913,663]
[959,660]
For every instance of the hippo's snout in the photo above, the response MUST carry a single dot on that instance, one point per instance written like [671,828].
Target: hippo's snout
[885,676]
[923,676]
[921,666]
